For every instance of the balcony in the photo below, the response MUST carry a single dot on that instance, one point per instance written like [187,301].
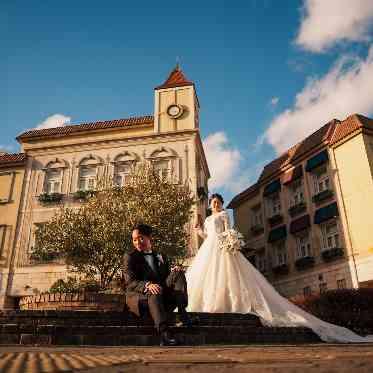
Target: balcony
[257,229]
[275,219]
[322,196]
[50,198]
[297,209]
[334,253]
[281,269]
[305,262]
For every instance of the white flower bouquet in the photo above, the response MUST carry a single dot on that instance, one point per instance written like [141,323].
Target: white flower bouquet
[231,241]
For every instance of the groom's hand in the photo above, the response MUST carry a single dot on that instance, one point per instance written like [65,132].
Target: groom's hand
[154,289]
[177,268]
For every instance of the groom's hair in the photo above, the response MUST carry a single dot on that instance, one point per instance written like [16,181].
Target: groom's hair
[144,229]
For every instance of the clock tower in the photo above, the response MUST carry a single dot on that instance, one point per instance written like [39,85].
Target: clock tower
[176,106]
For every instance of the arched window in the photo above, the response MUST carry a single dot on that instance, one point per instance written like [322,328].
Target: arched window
[165,163]
[53,176]
[123,166]
[88,173]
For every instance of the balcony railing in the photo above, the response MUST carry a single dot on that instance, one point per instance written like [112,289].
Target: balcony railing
[334,253]
[281,269]
[49,198]
[325,194]
[275,219]
[305,262]
[297,209]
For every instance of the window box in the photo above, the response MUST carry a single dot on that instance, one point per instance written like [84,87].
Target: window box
[83,195]
[275,219]
[257,229]
[297,209]
[332,254]
[46,198]
[305,262]
[325,194]
[282,269]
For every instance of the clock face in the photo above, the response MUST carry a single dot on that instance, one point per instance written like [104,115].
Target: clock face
[175,111]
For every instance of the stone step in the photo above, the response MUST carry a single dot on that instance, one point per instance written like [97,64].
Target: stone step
[118,318]
[146,336]
[124,329]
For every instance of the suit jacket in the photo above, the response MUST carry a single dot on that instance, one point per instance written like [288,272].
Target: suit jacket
[137,272]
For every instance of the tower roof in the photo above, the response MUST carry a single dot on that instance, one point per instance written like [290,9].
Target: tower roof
[175,79]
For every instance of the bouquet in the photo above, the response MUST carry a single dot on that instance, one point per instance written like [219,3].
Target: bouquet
[231,241]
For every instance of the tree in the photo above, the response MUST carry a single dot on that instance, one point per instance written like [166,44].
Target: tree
[93,238]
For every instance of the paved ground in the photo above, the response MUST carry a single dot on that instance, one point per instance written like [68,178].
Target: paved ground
[234,359]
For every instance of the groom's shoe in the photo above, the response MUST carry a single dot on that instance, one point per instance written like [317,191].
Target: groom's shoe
[167,339]
[183,319]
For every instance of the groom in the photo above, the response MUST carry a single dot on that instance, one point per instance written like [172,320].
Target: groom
[151,285]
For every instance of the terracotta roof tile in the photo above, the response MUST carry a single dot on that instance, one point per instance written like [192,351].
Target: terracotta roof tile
[12,159]
[319,137]
[349,125]
[66,130]
[175,79]
[252,190]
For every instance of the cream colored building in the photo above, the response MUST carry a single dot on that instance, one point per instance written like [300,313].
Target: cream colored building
[308,218]
[12,170]
[65,160]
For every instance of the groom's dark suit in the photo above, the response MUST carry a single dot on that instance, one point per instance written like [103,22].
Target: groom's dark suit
[137,273]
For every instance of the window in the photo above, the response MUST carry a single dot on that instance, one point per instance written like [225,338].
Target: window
[341,284]
[274,205]
[330,235]
[87,177]
[323,287]
[280,255]
[307,291]
[321,180]
[256,216]
[2,238]
[163,168]
[53,179]
[297,194]
[122,172]
[303,245]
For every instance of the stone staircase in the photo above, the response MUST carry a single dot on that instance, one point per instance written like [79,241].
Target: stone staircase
[109,328]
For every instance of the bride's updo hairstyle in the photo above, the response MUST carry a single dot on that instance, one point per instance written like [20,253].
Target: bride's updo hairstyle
[218,196]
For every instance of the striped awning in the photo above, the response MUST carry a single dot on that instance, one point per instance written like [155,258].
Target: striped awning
[326,213]
[272,187]
[277,234]
[300,224]
[317,160]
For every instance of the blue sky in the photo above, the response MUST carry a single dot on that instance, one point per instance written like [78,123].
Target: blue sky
[267,72]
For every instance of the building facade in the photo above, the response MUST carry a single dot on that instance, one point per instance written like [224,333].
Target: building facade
[63,164]
[307,220]
[12,171]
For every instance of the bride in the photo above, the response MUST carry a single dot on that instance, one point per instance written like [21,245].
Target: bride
[221,279]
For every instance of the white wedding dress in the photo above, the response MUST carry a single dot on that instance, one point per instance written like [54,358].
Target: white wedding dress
[223,281]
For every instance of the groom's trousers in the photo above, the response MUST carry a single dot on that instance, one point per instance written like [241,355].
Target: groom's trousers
[174,294]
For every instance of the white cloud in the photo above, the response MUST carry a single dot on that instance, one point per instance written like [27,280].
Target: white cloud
[274,101]
[327,22]
[346,89]
[223,160]
[55,120]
